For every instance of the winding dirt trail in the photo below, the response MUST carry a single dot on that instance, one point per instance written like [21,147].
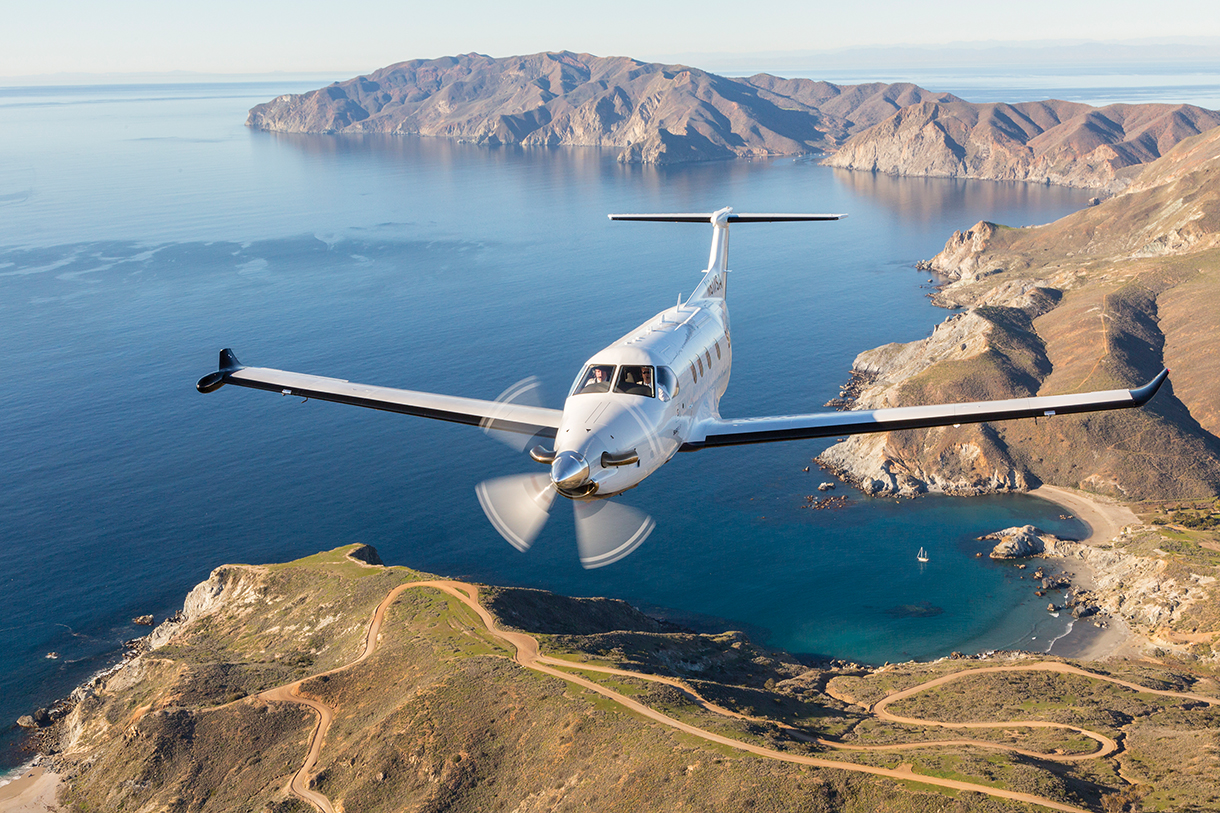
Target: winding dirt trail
[528,656]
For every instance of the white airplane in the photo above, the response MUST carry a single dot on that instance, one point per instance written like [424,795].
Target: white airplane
[636,403]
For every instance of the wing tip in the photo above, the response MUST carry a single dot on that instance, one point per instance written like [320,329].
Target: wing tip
[227,365]
[1142,395]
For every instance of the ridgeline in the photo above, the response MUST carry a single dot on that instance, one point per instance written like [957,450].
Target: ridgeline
[666,114]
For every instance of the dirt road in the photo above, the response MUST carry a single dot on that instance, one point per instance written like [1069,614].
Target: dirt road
[528,656]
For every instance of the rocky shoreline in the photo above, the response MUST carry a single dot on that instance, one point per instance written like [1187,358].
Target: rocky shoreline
[52,729]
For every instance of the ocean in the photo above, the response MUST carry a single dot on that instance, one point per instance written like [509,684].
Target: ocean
[143,228]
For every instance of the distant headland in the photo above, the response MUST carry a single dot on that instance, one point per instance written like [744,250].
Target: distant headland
[669,114]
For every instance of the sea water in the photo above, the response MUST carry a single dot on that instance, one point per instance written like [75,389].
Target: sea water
[143,228]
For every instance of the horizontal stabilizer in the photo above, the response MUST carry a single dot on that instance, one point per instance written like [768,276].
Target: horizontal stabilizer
[695,217]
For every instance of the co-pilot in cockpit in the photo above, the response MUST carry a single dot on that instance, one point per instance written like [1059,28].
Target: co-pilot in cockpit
[634,380]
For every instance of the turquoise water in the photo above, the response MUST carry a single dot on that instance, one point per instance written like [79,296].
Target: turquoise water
[144,228]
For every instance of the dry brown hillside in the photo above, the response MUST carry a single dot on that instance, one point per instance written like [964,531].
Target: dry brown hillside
[1102,298]
[1051,142]
[664,114]
[655,113]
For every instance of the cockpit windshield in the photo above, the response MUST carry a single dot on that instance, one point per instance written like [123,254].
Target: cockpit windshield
[635,380]
[595,378]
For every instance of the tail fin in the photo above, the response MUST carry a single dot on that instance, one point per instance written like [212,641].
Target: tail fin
[713,284]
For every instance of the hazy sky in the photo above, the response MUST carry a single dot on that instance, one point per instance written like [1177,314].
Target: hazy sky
[250,36]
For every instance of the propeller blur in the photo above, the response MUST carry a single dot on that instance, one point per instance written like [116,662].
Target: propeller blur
[635,404]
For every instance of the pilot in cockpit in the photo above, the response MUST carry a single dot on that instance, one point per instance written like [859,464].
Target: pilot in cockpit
[597,378]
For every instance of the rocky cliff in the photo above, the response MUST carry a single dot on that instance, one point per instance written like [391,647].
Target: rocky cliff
[662,114]
[1101,299]
[1054,142]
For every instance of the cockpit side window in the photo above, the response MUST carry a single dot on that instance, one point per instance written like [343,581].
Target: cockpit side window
[667,382]
[595,378]
[634,380]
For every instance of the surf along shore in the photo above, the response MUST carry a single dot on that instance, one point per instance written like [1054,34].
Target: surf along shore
[34,790]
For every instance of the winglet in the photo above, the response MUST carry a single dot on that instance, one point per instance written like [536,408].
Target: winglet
[1143,395]
[228,365]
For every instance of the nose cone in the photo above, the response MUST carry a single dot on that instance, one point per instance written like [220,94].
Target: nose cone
[569,470]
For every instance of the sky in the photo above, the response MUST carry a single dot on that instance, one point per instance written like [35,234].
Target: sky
[308,36]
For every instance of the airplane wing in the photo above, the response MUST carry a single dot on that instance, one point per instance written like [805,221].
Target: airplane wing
[528,420]
[720,432]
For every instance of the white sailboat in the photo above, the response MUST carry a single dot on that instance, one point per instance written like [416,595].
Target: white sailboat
[922,555]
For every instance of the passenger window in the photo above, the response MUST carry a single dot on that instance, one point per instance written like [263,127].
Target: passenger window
[634,380]
[707,355]
[693,375]
[699,361]
[596,378]
[717,351]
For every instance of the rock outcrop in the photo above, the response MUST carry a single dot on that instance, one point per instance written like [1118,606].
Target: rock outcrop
[227,587]
[1145,591]
[1055,142]
[1019,542]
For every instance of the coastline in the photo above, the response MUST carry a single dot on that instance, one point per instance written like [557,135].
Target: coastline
[35,789]
[33,792]
[1084,640]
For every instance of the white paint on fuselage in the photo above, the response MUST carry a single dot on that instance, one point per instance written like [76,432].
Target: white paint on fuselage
[692,340]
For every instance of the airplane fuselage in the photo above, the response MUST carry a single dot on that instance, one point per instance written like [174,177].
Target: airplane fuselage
[635,401]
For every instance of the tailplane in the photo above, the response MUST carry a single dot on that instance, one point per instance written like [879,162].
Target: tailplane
[714,281]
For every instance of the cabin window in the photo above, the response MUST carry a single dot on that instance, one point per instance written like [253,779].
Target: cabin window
[693,375]
[595,378]
[707,354]
[667,383]
[635,380]
[717,351]
[699,361]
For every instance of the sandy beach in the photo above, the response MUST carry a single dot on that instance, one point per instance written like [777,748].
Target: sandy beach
[1105,519]
[33,792]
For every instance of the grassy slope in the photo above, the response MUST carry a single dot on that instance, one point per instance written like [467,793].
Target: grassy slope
[440,718]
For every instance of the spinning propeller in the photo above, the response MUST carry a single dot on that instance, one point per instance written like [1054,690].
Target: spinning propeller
[518,505]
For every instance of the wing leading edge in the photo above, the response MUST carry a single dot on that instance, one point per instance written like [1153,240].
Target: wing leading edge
[528,420]
[719,432]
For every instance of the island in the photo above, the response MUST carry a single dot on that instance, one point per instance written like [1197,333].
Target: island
[654,113]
